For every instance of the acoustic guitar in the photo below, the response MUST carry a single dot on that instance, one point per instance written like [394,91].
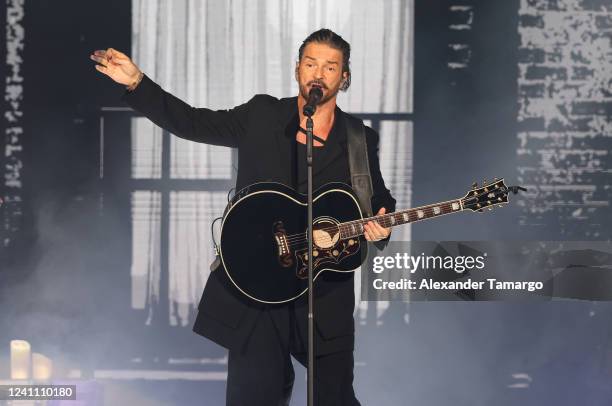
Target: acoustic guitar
[264,248]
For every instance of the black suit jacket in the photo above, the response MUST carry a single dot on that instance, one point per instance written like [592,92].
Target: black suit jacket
[257,130]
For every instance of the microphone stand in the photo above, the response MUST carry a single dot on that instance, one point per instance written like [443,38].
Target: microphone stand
[310,379]
[314,97]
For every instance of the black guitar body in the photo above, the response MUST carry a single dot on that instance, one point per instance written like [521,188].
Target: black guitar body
[263,239]
[263,235]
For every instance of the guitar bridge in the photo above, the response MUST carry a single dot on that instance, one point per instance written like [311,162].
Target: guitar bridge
[284,252]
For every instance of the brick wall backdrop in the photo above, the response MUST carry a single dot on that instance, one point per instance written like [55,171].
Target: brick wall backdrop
[564,118]
[11,161]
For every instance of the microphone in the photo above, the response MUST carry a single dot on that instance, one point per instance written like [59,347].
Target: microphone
[314,97]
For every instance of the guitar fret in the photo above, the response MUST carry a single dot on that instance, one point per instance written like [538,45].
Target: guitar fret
[428,211]
[356,228]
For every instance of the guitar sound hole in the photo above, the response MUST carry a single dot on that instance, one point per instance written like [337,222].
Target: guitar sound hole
[325,234]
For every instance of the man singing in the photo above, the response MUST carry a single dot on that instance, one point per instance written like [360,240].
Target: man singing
[270,137]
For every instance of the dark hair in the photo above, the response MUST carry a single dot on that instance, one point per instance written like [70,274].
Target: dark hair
[335,41]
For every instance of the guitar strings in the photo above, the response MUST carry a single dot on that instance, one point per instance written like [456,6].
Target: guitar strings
[294,239]
[302,238]
[382,217]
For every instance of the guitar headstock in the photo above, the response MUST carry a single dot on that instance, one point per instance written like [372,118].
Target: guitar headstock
[489,195]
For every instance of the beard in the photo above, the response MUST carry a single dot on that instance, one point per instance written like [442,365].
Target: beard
[328,93]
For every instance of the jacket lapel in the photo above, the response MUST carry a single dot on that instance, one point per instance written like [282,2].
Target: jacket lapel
[284,141]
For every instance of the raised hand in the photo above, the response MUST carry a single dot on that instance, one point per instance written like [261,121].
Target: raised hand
[116,65]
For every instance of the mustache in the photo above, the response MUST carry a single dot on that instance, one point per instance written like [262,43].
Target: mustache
[317,83]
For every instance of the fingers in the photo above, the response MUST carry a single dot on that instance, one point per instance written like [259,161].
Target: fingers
[102,64]
[117,57]
[99,59]
[374,231]
[384,232]
[102,69]
[367,232]
[111,56]
[115,53]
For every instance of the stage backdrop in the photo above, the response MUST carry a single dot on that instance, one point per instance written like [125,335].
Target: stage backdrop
[218,54]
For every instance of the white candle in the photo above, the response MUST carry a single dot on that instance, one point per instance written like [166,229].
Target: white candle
[42,367]
[20,359]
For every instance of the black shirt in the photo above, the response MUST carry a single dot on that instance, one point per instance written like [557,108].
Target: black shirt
[330,161]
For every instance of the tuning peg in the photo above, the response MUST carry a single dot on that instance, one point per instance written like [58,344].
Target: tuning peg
[501,205]
[484,182]
[474,185]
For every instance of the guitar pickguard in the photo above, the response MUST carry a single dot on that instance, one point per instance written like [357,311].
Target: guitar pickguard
[328,247]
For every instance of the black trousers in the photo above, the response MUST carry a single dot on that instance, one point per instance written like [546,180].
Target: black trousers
[261,372]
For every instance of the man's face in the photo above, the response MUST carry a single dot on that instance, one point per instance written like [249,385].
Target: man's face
[321,65]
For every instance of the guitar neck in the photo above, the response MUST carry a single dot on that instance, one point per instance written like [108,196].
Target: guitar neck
[355,228]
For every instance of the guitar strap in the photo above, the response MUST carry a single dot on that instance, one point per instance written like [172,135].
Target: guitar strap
[358,162]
